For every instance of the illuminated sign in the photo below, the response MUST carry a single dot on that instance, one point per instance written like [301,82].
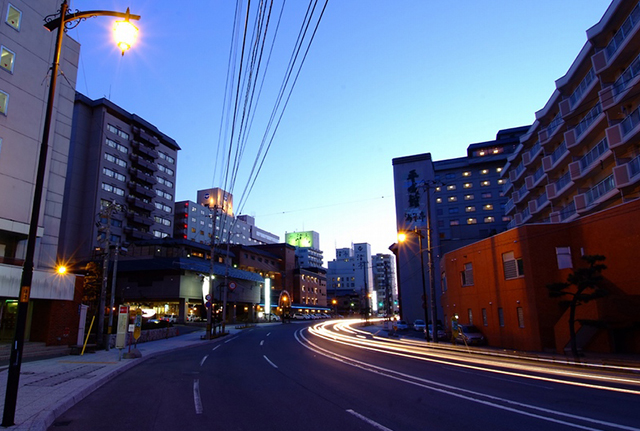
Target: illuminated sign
[300,239]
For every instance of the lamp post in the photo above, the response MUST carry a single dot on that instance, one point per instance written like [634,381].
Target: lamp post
[402,237]
[60,21]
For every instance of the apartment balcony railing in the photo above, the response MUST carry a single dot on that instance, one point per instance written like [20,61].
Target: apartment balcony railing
[594,154]
[595,193]
[551,161]
[556,188]
[519,194]
[511,224]
[626,77]
[625,30]
[588,120]
[538,203]
[568,211]
[509,206]
[630,122]
[628,173]
[517,171]
[529,156]
[506,186]
[526,214]
[532,181]
[576,96]
[621,133]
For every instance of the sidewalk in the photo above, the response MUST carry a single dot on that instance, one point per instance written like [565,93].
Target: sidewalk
[49,387]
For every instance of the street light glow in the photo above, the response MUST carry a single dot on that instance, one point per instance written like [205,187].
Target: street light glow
[61,269]
[402,237]
[125,34]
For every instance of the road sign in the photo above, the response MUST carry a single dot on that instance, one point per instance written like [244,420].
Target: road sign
[232,286]
[138,324]
[208,297]
[207,304]
[121,332]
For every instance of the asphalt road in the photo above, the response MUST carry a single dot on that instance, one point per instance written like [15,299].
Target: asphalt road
[283,377]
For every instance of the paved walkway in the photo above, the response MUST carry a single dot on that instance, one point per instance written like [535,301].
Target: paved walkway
[49,387]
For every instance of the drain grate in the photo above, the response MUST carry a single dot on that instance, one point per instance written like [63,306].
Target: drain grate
[76,373]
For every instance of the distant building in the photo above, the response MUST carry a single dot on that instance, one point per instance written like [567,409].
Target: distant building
[350,280]
[307,246]
[121,180]
[194,221]
[384,282]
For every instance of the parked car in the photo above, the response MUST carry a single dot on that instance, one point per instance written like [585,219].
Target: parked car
[298,316]
[471,335]
[419,325]
[170,318]
[401,325]
[439,332]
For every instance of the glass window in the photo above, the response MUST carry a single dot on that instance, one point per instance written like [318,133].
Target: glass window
[468,197]
[469,209]
[453,210]
[487,207]
[486,195]
[502,181]
[4,102]
[485,320]
[472,220]
[467,185]
[498,170]
[7,58]
[484,171]
[470,314]
[520,317]
[485,183]
[466,174]
[451,187]
[454,222]
[467,274]
[452,198]
[14,17]
[450,176]
[438,200]
[489,219]
[501,316]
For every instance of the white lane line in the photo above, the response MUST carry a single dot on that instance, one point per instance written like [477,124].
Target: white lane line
[262,343]
[267,359]
[215,347]
[204,359]
[268,333]
[196,396]
[231,339]
[369,421]
[450,390]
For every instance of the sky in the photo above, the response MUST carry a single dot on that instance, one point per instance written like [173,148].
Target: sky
[381,79]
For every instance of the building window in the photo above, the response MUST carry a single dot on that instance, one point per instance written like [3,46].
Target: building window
[454,222]
[469,209]
[501,316]
[486,195]
[563,254]
[472,220]
[450,176]
[487,207]
[451,187]
[485,321]
[502,181]
[470,316]
[438,188]
[438,200]
[166,157]
[452,198]
[14,17]
[4,102]
[7,58]
[453,210]
[506,218]
[467,274]
[520,317]
[513,268]
[466,174]
[467,185]
[498,170]
[469,197]
[485,183]
[489,219]
[484,171]
[113,129]
[443,282]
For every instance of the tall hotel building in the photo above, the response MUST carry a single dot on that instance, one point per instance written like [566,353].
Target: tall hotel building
[116,158]
[26,49]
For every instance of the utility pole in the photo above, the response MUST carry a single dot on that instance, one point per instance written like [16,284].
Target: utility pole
[113,292]
[432,279]
[213,249]
[107,213]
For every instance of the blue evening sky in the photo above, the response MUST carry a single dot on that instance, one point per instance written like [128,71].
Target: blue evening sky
[383,79]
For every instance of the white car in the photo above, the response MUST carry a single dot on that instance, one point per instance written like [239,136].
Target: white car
[170,318]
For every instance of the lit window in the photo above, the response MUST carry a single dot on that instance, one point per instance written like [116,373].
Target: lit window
[472,220]
[14,17]
[467,185]
[452,198]
[502,181]
[466,174]
[484,171]
[470,209]
[438,200]
[454,222]
[487,207]
[7,59]
[468,197]
[451,187]
[438,188]
[498,170]
[485,183]
[481,153]
[489,219]
[506,218]
[4,102]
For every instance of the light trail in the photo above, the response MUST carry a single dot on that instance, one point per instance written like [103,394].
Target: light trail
[421,351]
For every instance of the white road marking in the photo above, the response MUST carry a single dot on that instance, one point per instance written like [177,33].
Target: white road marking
[231,339]
[262,343]
[453,391]
[369,421]
[268,333]
[267,359]
[215,347]
[196,396]
[204,359]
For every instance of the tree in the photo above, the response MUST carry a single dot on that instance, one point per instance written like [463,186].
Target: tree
[92,286]
[587,284]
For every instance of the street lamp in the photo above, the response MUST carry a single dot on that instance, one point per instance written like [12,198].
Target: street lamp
[61,21]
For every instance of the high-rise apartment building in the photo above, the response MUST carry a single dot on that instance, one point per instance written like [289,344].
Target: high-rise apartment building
[120,179]
[384,282]
[307,246]
[26,49]
[350,279]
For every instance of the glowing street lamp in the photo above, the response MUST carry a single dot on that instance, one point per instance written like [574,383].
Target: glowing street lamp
[61,21]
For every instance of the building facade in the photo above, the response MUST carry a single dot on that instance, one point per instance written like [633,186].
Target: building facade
[307,246]
[350,280]
[121,180]
[26,49]
[384,283]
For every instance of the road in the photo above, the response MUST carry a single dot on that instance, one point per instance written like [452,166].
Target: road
[302,376]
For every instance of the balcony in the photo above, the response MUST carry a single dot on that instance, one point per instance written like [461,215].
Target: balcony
[622,133]
[530,156]
[627,32]
[553,160]
[627,174]
[139,219]
[547,133]
[557,188]
[537,205]
[587,84]
[150,152]
[618,92]
[597,194]
[137,233]
[141,190]
[588,123]
[516,172]
[137,174]
[520,194]
[533,181]
[509,207]
[582,167]
[139,203]
[566,214]
[506,186]
[143,136]
[143,162]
